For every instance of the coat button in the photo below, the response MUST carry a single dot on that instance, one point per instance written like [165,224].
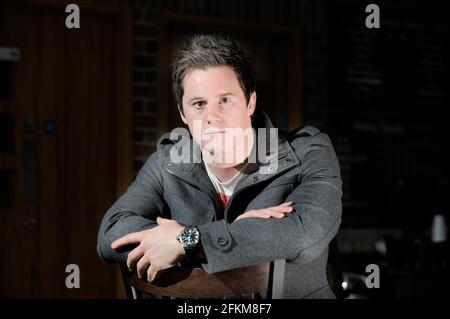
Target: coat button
[222,242]
[169,163]
[288,160]
[255,178]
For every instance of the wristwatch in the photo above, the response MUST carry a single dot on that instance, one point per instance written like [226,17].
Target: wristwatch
[189,237]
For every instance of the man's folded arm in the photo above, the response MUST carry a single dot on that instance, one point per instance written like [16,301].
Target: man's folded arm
[134,211]
[305,233]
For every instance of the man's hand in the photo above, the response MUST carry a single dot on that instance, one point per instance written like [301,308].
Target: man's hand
[275,211]
[158,248]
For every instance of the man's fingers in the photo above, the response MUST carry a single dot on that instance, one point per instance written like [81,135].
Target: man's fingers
[151,273]
[275,213]
[255,214]
[142,266]
[283,209]
[160,220]
[258,214]
[246,215]
[129,239]
[287,203]
[134,256]
[261,214]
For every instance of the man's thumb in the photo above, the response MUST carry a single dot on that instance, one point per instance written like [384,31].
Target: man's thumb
[160,220]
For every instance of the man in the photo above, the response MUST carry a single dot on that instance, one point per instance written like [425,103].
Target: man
[285,204]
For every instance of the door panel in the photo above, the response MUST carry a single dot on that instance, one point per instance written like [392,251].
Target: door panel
[66,87]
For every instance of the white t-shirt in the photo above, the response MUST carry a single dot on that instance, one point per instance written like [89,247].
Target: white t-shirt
[224,189]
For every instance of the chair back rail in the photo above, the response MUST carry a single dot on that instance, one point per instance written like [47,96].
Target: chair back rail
[179,282]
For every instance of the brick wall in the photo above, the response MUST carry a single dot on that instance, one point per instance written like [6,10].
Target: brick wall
[310,15]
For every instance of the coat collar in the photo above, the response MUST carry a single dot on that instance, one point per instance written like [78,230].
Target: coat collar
[193,171]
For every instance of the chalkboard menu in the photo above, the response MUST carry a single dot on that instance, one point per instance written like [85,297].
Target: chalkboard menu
[388,112]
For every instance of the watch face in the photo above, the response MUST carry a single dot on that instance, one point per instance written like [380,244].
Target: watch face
[190,237]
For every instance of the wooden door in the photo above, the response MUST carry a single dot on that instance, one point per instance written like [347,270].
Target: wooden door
[67,113]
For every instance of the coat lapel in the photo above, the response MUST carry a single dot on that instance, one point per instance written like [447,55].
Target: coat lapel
[193,172]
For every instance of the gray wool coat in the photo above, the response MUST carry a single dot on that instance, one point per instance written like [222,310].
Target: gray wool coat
[308,173]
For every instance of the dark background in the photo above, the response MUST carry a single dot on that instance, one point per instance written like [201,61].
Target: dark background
[380,94]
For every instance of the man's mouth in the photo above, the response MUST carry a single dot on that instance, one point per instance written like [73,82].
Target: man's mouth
[213,131]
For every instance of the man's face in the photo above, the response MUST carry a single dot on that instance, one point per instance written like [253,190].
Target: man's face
[217,114]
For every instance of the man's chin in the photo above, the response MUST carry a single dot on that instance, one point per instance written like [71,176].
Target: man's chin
[218,159]
[222,165]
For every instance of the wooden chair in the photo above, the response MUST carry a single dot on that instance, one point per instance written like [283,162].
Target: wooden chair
[262,281]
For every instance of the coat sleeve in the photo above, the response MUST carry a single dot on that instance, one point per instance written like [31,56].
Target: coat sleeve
[303,234]
[134,211]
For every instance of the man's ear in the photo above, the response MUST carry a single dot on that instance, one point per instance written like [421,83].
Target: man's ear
[251,104]
[183,118]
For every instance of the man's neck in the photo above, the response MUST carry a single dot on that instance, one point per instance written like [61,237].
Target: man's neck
[224,174]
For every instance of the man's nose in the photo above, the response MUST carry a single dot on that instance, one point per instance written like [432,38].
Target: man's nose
[214,114]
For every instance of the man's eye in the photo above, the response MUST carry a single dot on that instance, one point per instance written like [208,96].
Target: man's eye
[225,100]
[199,104]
